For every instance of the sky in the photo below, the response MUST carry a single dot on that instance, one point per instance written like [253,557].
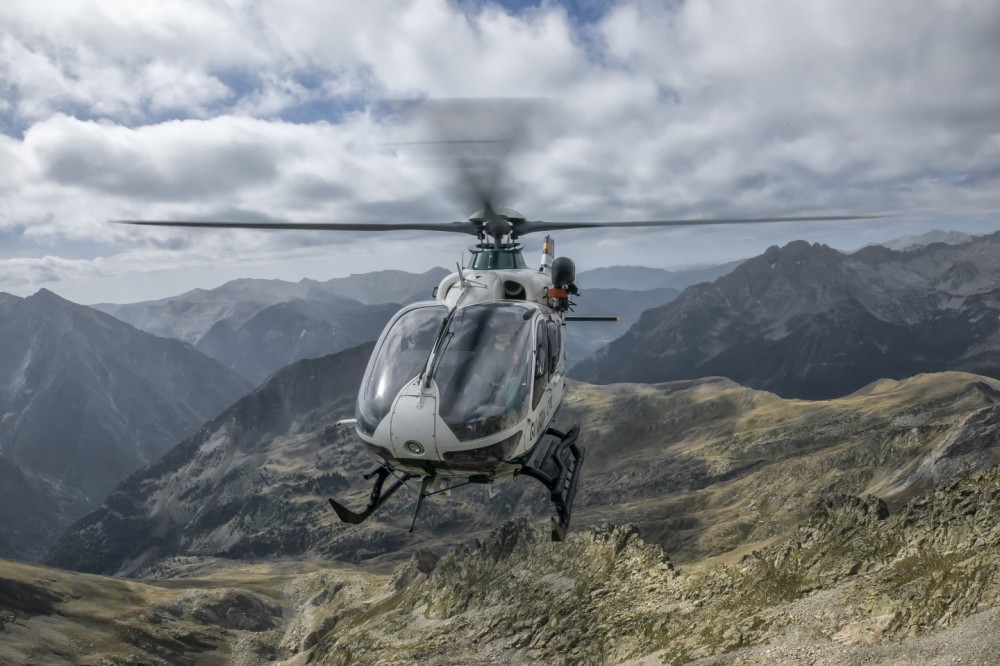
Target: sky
[311,111]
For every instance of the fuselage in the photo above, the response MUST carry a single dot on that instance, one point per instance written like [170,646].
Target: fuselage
[465,385]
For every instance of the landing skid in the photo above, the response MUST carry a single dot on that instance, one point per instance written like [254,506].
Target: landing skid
[376,498]
[557,463]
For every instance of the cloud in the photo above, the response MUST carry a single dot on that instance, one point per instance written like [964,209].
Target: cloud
[18,274]
[176,160]
[120,60]
[197,109]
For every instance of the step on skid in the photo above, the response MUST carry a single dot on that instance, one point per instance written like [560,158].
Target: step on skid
[558,462]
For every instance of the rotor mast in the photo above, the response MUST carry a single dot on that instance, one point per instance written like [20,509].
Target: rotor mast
[496,222]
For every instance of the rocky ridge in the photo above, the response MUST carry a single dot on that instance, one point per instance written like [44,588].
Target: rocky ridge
[607,596]
[855,583]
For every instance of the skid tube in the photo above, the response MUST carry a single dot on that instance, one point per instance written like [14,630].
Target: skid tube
[557,464]
[376,498]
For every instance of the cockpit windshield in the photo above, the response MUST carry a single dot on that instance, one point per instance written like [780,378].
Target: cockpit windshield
[399,359]
[482,369]
[482,366]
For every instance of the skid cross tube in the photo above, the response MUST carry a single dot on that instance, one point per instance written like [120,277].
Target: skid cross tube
[558,467]
[376,498]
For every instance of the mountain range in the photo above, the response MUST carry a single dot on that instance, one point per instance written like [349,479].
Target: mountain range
[259,326]
[643,278]
[808,321]
[687,462]
[744,526]
[84,400]
[918,241]
[189,316]
[256,327]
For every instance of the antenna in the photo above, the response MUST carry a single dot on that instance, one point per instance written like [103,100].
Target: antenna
[548,254]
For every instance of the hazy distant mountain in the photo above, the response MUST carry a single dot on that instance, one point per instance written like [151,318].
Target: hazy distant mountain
[84,400]
[191,315]
[635,278]
[626,291]
[906,243]
[292,330]
[805,320]
[256,327]
[623,277]
[641,277]
[387,286]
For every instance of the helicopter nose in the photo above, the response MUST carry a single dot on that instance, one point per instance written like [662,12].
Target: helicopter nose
[413,426]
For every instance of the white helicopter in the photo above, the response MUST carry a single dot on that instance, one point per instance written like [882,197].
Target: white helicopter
[464,388]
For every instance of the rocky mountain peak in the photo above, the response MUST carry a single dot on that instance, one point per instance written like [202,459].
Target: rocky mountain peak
[796,254]
[51,300]
[44,293]
[960,274]
[805,320]
[873,254]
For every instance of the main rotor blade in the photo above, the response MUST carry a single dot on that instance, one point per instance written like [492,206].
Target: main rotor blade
[453,227]
[528,226]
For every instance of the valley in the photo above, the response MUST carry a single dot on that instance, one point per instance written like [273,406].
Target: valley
[716,523]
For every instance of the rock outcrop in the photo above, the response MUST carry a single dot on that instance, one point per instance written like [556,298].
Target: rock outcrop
[855,583]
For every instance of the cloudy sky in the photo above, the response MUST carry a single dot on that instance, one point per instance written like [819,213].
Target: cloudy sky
[297,110]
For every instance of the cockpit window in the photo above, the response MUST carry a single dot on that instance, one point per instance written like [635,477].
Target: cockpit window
[483,367]
[399,359]
[490,260]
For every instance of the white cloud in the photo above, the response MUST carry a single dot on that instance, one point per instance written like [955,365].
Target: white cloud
[197,108]
[120,60]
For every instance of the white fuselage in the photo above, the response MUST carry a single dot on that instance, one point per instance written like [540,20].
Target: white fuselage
[452,401]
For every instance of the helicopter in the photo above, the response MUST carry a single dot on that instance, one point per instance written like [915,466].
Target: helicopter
[464,388]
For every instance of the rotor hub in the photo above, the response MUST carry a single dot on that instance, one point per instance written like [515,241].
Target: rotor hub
[510,214]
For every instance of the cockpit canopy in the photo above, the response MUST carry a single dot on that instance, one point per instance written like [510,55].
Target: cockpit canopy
[491,259]
[481,369]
